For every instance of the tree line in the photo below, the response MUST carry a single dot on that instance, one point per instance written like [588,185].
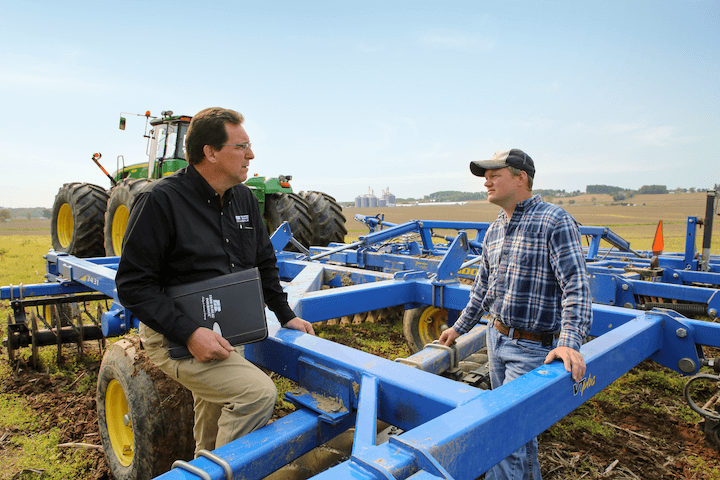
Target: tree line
[29,213]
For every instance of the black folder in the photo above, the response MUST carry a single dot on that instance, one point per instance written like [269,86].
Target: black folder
[231,304]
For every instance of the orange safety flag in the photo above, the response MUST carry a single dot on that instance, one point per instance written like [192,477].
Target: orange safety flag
[658,244]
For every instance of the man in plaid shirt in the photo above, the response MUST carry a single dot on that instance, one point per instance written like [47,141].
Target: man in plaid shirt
[533,283]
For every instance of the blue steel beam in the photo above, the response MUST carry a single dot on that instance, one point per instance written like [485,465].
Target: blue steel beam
[424,227]
[263,451]
[621,290]
[396,393]
[95,273]
[406,395]
[468,440]
[365,430]
[16,292]
[319,305]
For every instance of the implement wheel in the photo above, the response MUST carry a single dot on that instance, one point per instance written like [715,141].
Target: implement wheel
[145,418]
[289,207]
[77,220]
[424,325]
[328,219]
[118,212]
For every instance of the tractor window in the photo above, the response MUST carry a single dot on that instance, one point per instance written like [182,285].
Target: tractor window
[161,136]
[171,141]
[176,141]
[181,140]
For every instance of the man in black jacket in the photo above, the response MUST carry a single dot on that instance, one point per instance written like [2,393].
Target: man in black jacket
[200,223]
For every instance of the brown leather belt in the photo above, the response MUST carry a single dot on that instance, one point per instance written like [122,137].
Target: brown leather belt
[522,334]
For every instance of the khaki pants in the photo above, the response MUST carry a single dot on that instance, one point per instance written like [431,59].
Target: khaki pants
[232,397]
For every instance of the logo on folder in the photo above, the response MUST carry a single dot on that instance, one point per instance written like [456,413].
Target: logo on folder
[210,307]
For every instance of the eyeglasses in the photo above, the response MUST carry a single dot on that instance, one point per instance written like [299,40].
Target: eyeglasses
[244,145]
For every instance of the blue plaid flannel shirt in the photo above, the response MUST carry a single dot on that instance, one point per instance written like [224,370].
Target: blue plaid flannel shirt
[532,274]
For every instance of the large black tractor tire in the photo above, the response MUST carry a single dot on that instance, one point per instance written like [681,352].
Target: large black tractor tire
[118,212]
[424,325]
[289,207]
[145,418]
[77,220]
[328,219]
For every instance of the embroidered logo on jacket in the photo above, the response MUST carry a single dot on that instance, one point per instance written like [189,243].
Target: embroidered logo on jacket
[243,222]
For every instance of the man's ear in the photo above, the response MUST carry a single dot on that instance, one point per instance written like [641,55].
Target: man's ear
[209,153]
[523,176]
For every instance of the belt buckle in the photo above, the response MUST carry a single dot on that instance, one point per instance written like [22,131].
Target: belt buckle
[548,337]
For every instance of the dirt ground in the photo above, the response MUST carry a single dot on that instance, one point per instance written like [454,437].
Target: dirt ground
[26,227]
[645,446]
[53,400]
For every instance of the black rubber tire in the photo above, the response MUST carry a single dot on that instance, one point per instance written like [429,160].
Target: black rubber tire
[118,209]
[77,220]
[328,219]
[423,325]
[159,411]
[289,207]
[64,314]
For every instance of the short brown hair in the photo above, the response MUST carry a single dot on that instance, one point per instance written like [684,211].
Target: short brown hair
[208,128]
[516,173]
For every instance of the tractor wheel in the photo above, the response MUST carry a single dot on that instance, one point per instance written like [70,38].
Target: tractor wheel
[423,325]
[77,220]
[118,212]
[58,314]
[327,216]
[289,207]
[145,417]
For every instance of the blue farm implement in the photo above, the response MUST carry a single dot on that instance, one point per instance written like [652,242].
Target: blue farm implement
[442,423]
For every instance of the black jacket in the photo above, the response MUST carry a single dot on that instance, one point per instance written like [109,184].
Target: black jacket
[179,233]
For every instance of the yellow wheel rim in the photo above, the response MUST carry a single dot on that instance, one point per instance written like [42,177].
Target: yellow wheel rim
[65,225]
[119,224]
[119,423]
[432,323]
[47,314]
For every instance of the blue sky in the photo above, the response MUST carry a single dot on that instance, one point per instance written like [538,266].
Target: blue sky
[347,96]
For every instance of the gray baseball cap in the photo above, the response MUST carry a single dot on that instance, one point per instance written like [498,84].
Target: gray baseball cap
[505,158]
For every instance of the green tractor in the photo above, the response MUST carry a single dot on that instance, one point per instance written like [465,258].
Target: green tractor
[90,221]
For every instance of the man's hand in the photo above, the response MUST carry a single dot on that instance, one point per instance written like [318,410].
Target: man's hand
[448,337]
[572,359]
[298,323]
[206,345]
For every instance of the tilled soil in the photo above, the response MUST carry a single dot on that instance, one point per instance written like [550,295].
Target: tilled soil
[53,401]
[644,446]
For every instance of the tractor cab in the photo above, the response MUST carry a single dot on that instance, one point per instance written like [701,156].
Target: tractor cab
[165,150]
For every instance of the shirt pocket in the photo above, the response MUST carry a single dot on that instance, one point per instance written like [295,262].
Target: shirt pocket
[529,250]
[245,245]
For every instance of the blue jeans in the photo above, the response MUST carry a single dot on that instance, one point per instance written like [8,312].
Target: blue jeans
[508,360]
